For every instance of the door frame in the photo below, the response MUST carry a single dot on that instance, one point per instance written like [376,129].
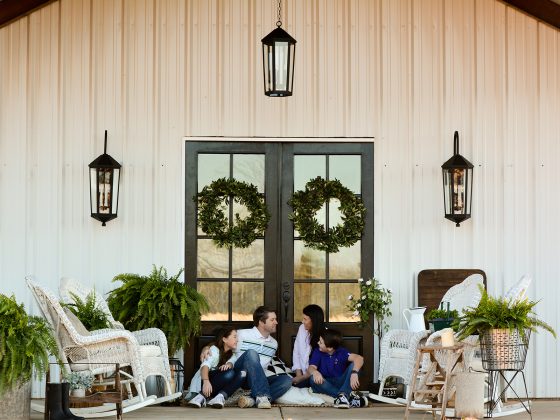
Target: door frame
[271,147]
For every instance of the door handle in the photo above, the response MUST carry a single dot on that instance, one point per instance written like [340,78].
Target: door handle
[286,296]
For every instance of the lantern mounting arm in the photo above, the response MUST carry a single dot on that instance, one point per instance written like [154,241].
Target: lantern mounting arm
[455,143]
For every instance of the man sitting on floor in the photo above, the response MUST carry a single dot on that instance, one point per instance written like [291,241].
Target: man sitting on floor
[255,350]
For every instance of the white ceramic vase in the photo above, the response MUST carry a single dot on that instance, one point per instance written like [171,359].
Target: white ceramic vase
[78,392]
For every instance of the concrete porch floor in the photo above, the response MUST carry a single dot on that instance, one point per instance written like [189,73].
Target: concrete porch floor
[542,410]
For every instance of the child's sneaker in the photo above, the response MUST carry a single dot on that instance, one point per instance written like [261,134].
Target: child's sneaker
[357,400]
[341,402]
[263,402]
[217,402]
[245,402]
[197,402]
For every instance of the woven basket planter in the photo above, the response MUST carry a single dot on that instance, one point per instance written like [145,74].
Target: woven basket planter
[15,404]
[504,349]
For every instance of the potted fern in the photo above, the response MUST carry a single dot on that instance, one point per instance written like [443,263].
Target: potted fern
[504,327]
[88,312]
[25,344]
[158,301]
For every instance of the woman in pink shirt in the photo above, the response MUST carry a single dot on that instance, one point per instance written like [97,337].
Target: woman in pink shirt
[307,339]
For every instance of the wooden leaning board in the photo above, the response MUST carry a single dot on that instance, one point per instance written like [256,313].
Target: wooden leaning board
[433,283]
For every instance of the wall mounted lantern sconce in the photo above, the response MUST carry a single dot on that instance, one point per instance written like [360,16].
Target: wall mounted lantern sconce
[457,185]
[104,176]
[279,50]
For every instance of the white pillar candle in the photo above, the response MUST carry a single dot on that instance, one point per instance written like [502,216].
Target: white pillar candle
[447,339]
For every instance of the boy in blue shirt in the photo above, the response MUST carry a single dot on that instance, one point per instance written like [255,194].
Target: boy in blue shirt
[334,371]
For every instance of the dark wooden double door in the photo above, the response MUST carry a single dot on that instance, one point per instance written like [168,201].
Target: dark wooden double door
[278,270]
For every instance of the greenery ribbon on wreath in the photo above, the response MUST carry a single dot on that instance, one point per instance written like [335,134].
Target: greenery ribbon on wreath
[305,205]
[214,222]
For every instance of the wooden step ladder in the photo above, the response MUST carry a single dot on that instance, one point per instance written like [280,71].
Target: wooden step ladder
[435,386]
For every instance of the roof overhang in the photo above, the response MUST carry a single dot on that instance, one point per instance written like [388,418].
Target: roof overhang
[546,10]
[11,10]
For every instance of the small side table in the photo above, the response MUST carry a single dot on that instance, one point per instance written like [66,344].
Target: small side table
[434,387]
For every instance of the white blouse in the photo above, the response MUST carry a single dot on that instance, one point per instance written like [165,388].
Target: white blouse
[302,350]
[212,363]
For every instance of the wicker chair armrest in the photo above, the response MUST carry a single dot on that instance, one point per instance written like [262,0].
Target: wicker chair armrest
[107,336]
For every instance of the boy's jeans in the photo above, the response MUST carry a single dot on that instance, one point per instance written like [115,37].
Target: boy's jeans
[272,387]
[334,385]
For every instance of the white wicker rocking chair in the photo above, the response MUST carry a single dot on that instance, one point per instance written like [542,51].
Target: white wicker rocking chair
[97,353]
[158,366]
[397,358]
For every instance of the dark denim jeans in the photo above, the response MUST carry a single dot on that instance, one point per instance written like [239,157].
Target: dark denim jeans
[226,382]
[272,387]
[335,385]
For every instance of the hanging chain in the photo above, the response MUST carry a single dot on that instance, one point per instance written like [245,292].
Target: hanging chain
[279,22]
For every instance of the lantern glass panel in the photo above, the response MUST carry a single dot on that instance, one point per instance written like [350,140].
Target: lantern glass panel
[93,189]
[281,65]
[115,188]
[458,199]
[267,59]
[292,51]
[104,179]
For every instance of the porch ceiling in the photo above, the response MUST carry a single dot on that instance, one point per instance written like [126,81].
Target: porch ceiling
[545,10]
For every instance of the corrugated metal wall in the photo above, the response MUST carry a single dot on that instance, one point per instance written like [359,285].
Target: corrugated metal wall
[408,72]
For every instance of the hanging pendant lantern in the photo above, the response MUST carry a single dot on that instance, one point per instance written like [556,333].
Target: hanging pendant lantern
[279,50]
[104,176]
[457,185]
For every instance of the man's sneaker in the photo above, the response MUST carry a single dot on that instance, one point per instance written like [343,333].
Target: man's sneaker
[217,402]
[245,402]
[263,402]
[197,402]
[357,400]
[341,402]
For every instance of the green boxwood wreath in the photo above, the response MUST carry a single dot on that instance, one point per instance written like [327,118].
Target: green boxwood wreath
[213,221]
[305,205]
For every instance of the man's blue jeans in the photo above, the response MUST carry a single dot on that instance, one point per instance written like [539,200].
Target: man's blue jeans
[272,387]
[335,385]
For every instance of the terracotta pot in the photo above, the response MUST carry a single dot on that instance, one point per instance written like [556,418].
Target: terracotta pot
[15,404]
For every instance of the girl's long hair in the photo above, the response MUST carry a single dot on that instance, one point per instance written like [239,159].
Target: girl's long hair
[315,312]
[220,335]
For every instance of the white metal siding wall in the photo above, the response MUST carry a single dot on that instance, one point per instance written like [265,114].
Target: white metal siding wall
[408,72]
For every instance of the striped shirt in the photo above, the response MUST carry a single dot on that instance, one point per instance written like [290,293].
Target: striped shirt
[252,339]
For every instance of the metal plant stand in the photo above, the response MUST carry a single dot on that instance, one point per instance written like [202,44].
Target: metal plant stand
[505,351]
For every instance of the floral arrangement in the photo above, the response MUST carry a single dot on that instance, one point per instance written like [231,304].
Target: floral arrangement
[374,302]
[78,380]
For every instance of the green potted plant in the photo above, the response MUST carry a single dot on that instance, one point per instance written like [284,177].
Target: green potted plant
[373,304]
[25,344]
[504,327]
[88,312]
[158,301]
[438,319]
[79,382]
